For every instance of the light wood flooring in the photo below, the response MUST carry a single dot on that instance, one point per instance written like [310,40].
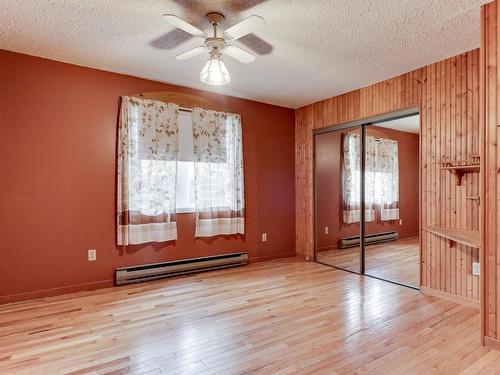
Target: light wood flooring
[277,317]
[396,260]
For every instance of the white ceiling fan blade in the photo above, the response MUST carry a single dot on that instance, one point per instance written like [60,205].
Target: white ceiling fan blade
[239,54]
[183,25]
[191,53]
[247,26]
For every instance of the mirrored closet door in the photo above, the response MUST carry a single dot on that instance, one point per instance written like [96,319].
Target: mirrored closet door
[367,198]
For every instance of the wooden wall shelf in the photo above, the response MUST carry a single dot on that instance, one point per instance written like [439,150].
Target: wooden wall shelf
[470,238]
[459,171]
[461,167]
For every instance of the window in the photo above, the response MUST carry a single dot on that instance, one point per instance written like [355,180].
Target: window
[213,187]
[175,161]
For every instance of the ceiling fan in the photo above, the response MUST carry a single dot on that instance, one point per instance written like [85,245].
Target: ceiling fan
[215,72]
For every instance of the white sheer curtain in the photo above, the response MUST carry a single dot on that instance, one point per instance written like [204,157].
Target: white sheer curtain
[147,171]
[218,169]
[351,180]
[381,178]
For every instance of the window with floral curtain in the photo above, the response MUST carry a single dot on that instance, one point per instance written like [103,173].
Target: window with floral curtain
[147,171]
[381,178]
[218,173]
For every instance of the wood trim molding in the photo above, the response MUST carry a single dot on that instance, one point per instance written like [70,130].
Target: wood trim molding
[378,118]
[491,343]
[56,291]
[271,257]
[450,297]
[482,179]
[490,165]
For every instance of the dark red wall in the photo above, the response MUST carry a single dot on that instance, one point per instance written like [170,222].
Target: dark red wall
[329,193]
[57,176]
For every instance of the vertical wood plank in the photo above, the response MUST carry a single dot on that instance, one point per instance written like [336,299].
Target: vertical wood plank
[490,19]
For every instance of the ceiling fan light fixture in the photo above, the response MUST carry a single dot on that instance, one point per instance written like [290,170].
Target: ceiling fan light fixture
[215,72]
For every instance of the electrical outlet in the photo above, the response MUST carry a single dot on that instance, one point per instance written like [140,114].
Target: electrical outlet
[476,269]
[326,230]
[400,221]
[264,237]
[92,255]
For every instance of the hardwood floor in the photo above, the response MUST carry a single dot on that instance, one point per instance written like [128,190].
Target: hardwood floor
[277,317]
[396,261]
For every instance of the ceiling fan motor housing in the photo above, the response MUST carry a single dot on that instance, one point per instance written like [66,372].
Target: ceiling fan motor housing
[215,43]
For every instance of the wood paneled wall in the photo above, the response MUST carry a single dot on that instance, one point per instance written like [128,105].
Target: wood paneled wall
[490,106]
[448,95]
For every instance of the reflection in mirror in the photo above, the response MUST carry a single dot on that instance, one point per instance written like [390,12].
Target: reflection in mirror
[338,198]
[391,200]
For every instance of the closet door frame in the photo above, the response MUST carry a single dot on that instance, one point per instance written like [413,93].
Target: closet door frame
[362,124]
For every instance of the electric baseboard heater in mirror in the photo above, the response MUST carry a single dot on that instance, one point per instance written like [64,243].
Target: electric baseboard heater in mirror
[370,239]
[146,272]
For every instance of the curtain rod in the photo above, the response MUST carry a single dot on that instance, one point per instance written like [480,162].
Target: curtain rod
[183,109]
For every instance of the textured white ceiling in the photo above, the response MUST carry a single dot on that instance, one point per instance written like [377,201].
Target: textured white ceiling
[409,124]
[309,49]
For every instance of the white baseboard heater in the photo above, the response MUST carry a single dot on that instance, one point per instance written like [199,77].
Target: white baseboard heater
[153,271]
[370,239]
